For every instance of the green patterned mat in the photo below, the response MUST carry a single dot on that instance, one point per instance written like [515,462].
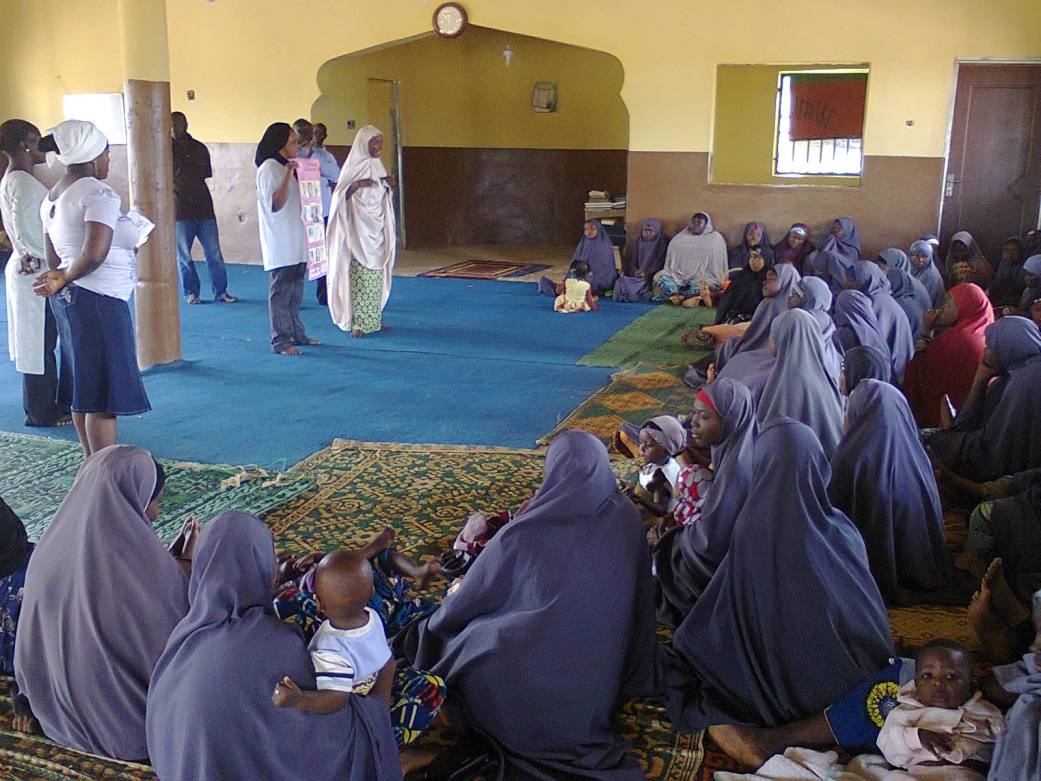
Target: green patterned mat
[653,338]
[426,492]
[36,474]
[632,396]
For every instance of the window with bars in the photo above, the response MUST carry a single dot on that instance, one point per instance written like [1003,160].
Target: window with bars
[820,120]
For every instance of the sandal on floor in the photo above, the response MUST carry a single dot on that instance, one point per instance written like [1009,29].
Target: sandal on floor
[288,349]
[226,298]
[455,563]
[193,299]
[702,339]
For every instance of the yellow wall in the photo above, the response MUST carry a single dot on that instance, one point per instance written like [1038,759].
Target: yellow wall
[459,93]
[52,48]
[746,126]
[255,61]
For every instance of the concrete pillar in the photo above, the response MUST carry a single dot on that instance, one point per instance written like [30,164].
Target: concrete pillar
[146,93]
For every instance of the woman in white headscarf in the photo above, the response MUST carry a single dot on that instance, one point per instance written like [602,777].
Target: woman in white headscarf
[90,247]
[361,238]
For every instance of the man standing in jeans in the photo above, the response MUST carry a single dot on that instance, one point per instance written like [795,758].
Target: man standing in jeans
[193,210]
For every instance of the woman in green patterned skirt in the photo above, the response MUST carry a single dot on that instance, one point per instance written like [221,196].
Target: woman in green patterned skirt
[361,240]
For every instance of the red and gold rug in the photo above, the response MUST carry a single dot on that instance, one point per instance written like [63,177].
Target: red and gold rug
[484,269]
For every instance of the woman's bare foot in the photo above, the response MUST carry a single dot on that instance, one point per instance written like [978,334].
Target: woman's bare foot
[357,334]
[27,724]
[997,640]
[414,758]
[1003,601]
[379,543]
[677,300]
[742,744]
[427,573]
[309,341]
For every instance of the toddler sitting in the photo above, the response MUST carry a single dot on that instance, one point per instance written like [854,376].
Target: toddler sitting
[575,292]
[349,650]
[941,727]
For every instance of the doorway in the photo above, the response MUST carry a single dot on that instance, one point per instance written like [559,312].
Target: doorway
[993,183]
[384,106]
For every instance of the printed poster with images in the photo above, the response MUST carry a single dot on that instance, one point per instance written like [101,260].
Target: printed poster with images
[309,176]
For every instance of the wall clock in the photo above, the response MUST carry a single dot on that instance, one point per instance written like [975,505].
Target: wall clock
[450,20]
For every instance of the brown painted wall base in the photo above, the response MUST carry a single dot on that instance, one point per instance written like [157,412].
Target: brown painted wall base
[897,201]
[503,196]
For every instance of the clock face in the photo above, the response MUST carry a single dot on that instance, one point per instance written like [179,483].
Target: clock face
[449,20]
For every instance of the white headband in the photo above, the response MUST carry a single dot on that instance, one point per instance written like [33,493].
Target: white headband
[78,141]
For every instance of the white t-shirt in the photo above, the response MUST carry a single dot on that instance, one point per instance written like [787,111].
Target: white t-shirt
[20,199]
[348,660]
[88,200]
[283,241]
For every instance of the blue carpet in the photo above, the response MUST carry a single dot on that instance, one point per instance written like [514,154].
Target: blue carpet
[465,362]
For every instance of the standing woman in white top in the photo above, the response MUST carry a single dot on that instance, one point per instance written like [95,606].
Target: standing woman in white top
[91,252]
[31,331]
[283,242]
[361,239]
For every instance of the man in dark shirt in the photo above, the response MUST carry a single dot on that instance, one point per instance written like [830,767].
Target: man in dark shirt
[193,211]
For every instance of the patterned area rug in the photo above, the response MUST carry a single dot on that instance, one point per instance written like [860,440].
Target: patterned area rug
[633,396]
[425,493]
[484,269]
[653,338]
[36,474]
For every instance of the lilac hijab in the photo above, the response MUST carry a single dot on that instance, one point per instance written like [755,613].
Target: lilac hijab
[102,596]
[1000,435]
[646,255]
[883,480]
[930,276]
[856,324]
[847,244]
[210,713]
[815,298]
[1017,755]
[687,557]
[598,252]
[553,626]
[758,333]
[800,385]
[792,620]
[892,322]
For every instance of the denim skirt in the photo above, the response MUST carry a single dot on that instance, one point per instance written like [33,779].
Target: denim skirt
[97,345]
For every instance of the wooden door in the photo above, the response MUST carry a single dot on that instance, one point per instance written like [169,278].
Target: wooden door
[993,185]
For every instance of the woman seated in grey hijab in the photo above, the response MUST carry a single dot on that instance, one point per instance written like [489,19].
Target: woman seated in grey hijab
[102,595]
[553,625]
[210,712]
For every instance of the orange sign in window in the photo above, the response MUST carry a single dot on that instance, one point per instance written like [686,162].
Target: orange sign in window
[827,107]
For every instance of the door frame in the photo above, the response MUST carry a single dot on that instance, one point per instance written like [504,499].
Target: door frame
[958,63]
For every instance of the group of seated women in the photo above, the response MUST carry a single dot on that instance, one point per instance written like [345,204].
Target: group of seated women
[822,508]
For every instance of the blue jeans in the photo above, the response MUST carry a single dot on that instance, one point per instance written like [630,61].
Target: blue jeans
[206,232]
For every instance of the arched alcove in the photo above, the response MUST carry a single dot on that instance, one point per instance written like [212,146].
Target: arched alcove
[479,163]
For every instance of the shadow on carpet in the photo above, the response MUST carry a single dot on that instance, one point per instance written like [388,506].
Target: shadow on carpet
[633,396]
[426,492]
[653,338]
[37,473]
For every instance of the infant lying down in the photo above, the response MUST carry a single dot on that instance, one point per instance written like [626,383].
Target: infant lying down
[941,728]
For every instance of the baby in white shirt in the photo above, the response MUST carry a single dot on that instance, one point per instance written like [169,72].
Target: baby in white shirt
[349,650]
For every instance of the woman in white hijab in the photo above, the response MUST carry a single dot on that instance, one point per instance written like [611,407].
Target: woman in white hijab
[695,264]
[361,238]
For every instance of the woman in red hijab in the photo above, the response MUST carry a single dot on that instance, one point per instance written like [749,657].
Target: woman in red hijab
[948,364]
